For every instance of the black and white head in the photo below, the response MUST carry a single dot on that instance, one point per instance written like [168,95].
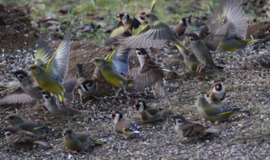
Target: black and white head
[140,107]
[193,38]
[46,95]
[186,21]
[21,75]
[125,17]
[116,116]
[179,120]
[87,85]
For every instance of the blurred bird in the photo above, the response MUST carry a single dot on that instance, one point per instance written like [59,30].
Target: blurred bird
[201,51]
[20,139]
[148,114]
[156,34]
[24,91]
[78,141]
[141,14]
[114,68]
[125,125]
[181,28]
[124,28]
[216,94]
[34,127]
[148,73]
[86,87]
[229,21]
[50,69]
[192,63]
[215,113]
[192,130]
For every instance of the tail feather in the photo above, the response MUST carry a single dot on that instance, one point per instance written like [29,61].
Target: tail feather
[79,68]
[45,144]
[213,129]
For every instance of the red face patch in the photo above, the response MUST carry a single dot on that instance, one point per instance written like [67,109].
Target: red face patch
[113,115]
[217,84]
[142,13]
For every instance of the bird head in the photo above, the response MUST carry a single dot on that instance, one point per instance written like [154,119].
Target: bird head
[46,95]
[186,21]
[13,119]
[218,86]
[36,70]
[9,132]
[179,119]
[87,84]
[100,62]
[141,16]
[193,37]
[68,133]
[141,106]
[116,116]
[150,18]
[120,15]
[20,75]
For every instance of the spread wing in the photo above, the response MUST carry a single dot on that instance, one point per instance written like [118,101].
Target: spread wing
[119,59]
[156,37]
[43,55]
[17,96]
[152,7]
[58,63]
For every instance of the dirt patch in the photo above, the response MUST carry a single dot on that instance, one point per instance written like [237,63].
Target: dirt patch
[16,31]
[257,30]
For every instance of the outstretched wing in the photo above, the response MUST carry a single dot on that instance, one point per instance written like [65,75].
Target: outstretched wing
[43,55]
[58,63]
[16,97]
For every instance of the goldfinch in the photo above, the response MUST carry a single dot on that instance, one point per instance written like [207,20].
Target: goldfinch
[216,94]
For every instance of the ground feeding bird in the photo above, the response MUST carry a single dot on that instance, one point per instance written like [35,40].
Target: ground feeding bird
[34,127]
[216,94]
[215,113]
[25,91]
[147,73]
[181,28]
[114,68]
[230,22]
[192,130]
[50,68]
[148,114]
[78,141]
[87,88]
[20,139]
[125,125]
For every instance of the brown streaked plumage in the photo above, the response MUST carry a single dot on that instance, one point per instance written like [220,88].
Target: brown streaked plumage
[148,114]
[216,94]
[192,130]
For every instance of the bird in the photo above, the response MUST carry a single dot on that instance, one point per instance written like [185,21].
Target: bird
[191,62]
[20,139]
[87,88]
[141,14]
[147,73]
[192,130]
[148,114]
[215,113]
[124,125]
[78,141]
[25,90]
[201,51]
[114,68]
[181,28]
[124,28]
[50,68]
[216,94]
[230,21]
[34,127]
[156,34]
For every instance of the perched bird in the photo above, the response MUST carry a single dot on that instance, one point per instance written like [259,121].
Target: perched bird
[20,139]
[87,88]
[124,28]
[114,68]
[51,104]
[147,73]
[148,114]
[156,34]
[192,130]
[201,51]
[78,141]
[25,91]
[20,124]
[50,68]
[215,113]
[216,94]
[125,125]
[229,21]
[181,28]
[191,62]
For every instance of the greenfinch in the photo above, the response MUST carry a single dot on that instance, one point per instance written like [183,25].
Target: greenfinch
[50,68]
[215,113]
[20,124]
[78,141]
[148,114]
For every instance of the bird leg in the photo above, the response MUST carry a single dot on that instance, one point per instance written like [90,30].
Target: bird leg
[116,90]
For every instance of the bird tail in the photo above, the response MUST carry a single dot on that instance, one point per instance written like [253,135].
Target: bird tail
[69,86]
[79,68]
[45,144]
[152,7]
[214,129]
[95,142]
[253,41]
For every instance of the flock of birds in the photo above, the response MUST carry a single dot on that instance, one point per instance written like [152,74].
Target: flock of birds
[45,79]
